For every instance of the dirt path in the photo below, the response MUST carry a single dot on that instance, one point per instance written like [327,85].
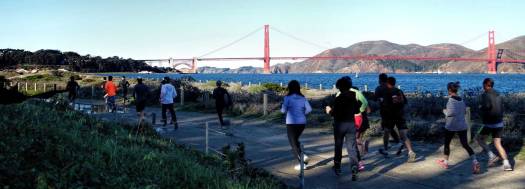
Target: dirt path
[267,147]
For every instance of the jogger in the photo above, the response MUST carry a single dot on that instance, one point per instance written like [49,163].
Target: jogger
[296,108]
[167,94]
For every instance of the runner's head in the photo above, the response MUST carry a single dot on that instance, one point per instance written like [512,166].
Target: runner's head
[139,80]
[488,83]
[104,78]
[343,84]
[72,78]
[123,77]
[453,87]
[383,78]
[294,88]
[391,82]
[110,78]
[218,83]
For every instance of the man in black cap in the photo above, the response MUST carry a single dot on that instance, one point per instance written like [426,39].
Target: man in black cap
[222,100]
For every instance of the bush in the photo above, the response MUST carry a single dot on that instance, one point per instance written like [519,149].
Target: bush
[274,87]
[49,148]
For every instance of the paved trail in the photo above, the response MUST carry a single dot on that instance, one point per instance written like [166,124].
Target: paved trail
[267,147]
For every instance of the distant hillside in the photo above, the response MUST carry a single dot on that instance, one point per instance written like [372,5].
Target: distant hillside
[386,48]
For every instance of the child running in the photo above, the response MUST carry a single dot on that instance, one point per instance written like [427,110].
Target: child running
[296,107]
[456,124]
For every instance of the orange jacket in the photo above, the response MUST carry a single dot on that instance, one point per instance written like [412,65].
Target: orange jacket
[110,88]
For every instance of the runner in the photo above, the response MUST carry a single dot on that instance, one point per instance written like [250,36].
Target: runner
[379,95]
[222,100]
[72,87]
[296,107]
[111,92]
[140,93]
[456,124]
[343,109]
[167,94]
[394,103]
[491,109]
[124,85]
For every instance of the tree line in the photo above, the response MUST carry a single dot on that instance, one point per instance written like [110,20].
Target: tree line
[16,58]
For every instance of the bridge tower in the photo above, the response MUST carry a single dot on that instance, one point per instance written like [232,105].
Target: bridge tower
[491,53]
[194,65]
[266,68]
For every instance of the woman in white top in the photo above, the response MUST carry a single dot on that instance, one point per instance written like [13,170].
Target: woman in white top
[296,107]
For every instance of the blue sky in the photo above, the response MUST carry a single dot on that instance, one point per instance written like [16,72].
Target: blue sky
[183,29]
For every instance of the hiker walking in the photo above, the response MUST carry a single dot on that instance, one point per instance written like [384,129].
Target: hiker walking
[72,87]
[167,94]
[140,93]
[111,94]
[124,85]
[379,95]
[222,100]
[491,108]
[456,124]
[343,109]
[295,106]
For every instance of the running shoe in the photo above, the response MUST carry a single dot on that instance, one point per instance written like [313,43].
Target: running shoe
[383,152]
[337,170]
[354,173]
[306,159]
[361,166]
[507,167]
[441,162]
[476,168]
[492,161]
[400,150]
[411,157]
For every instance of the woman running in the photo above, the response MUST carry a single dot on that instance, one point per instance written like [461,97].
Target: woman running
[456,124]
[296,107]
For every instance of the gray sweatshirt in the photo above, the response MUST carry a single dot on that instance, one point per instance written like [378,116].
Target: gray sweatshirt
[296,107]
[455,114]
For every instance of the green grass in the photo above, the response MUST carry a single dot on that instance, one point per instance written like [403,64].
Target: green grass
[48,146]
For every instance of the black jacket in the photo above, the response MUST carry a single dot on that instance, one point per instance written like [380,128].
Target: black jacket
[391,109]
[344,107]
[491,107]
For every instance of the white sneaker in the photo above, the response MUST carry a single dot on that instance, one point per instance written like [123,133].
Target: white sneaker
[306,159]
[298,167]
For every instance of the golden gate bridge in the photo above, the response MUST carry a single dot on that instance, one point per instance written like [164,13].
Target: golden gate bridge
[493,59]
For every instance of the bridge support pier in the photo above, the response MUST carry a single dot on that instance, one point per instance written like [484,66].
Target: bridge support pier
[492,66]
[266,68]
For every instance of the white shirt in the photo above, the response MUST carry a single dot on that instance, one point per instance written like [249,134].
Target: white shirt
[167,94]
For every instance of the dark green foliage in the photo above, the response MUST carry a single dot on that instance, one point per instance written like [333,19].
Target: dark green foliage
[274,87]
[13,58]
[43,146]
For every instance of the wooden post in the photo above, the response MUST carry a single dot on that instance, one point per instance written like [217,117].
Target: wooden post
[320,87]
[265,104]
[35,87]
[45,87]
[469,124]
[26,86]
[181,96]
[306,86]
[281,84]
[17,86]
[249,84]
[366,88]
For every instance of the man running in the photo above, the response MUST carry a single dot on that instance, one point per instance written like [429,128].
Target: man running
[379,95]
[167,94]
[111,94]
[491,108]
[394,103]
[72,87]
[222,100]
[140,93]
[124,85]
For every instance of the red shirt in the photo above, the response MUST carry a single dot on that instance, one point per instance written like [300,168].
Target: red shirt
[110,88]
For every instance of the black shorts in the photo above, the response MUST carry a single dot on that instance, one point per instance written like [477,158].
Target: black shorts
[140,106]
[365,125]
[494,132]
[400,123]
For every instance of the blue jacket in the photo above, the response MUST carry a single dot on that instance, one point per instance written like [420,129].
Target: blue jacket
[296,107]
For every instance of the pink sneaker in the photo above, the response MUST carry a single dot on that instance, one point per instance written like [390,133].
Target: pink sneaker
[441,162]
[361,166]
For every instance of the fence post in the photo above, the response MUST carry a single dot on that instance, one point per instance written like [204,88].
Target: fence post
[206,136]
[333,87]
[181,96]
[26,86]
[469,124]
[249,84]
[45,87]
[306,86]
[265,104]
[92,91]
[55,87]
[366,88]
[35,87]
[17,86]
[281,84]
[301,174]
[320,87]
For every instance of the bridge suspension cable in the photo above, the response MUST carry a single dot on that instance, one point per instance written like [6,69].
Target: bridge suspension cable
[299,39]
[231,43]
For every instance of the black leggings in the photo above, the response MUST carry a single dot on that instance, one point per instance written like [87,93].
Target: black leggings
[294,132]
[462,138]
